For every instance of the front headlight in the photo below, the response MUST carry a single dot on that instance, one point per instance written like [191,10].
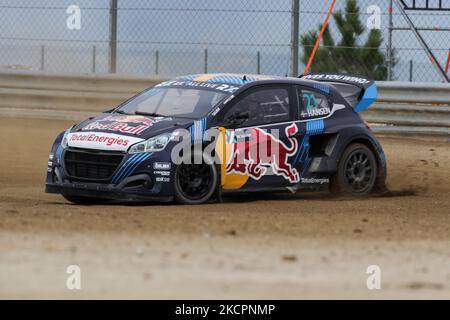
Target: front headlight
[64,141]
[154,144]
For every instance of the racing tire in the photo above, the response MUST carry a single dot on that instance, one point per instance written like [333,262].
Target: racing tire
[195,183]
[356,173]
[82,200]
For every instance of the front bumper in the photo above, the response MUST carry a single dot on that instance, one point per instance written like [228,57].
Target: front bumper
[141,180]
[103,191]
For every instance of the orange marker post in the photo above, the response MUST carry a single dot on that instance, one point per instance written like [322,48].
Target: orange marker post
[311,58]
[448,62]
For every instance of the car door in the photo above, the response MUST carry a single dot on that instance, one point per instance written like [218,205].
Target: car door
[314,107]
[260,138]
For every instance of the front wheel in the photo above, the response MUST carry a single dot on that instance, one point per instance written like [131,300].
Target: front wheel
[356,173]
[195,183]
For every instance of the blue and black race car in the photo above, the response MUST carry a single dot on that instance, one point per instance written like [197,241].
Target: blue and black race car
[197,137]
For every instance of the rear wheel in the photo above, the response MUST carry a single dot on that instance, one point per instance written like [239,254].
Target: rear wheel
[357,171]
[195,183]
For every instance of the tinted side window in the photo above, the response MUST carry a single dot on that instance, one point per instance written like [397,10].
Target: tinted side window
[313,104]
[264,106]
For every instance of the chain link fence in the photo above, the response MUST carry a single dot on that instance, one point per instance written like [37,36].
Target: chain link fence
[174,37]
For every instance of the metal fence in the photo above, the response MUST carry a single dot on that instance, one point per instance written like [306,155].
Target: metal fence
[174,37]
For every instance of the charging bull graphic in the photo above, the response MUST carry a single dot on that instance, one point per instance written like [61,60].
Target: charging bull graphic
[124,123]
[257,150]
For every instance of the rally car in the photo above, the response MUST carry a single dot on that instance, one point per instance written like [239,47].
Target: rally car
[197,137]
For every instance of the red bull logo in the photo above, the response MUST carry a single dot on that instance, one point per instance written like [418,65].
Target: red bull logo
[255,151]
[123,123]
[131,119]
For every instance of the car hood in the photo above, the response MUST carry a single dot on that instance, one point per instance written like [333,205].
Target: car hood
[117,132]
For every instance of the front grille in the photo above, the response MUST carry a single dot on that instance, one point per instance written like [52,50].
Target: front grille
[88,165]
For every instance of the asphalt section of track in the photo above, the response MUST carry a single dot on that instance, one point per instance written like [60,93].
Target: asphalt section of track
[259,246]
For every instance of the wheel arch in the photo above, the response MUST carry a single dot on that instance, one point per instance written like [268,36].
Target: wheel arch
[377,151]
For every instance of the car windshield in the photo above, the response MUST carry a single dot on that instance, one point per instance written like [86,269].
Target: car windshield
[174,102]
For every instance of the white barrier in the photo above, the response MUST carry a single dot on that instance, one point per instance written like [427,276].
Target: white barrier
[401,108]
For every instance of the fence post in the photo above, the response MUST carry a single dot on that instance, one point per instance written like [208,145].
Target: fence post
[258,62]
[422,42]
[206,61]
[157,62]
[94,56]
[294,37]
[410,70]
[389,53]
[43,57]
[113,36]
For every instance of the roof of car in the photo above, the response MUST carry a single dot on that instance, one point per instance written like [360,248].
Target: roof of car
[239,80]
[228,78]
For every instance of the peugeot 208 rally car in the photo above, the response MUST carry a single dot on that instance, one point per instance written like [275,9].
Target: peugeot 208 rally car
[308,128]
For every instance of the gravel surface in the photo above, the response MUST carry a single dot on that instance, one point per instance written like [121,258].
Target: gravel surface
[260,246]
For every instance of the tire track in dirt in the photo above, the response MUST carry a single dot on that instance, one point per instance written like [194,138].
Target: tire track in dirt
[306,245]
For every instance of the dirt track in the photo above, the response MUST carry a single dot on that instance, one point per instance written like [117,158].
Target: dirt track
[279,246]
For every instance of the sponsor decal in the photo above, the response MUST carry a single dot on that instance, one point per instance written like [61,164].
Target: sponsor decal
[162,179]
[162,165]
[228,99]
[315,112]
[262,151]
[315,180]
[123,123]
[216,111]
[162,173]
[337,77]
[199,84]
[50,160]
[101,141]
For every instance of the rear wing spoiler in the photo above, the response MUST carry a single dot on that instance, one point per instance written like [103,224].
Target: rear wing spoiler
[358,91]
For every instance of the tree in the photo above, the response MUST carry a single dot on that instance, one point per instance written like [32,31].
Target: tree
[348,55]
